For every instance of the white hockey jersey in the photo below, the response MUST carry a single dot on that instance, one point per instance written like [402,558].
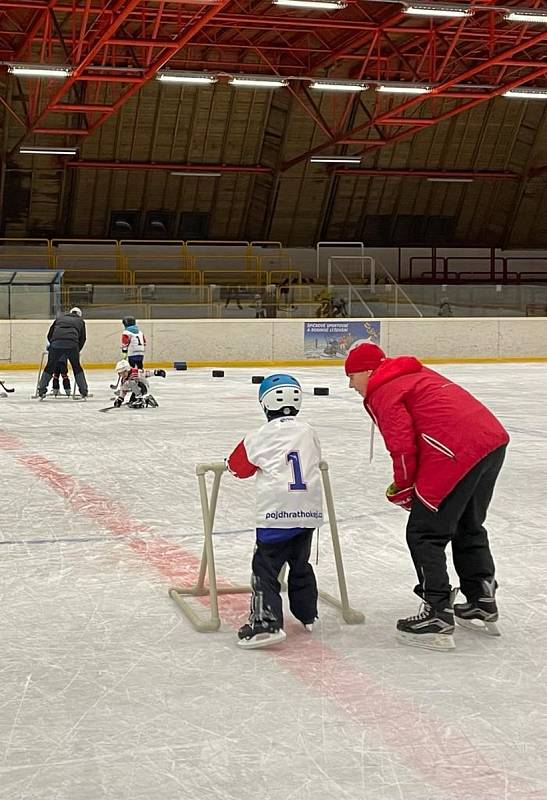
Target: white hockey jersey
[284,454]
[133,341]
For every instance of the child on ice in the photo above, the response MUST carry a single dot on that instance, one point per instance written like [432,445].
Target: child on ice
[284,454]
[134,382]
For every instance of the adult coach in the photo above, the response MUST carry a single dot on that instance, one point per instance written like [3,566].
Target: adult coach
[447,449]
[66,338]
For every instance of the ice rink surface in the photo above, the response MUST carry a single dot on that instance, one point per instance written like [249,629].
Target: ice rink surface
[106,690]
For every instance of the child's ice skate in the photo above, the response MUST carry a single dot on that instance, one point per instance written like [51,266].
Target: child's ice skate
[432,628]
[136,402]
[260,633]
[480,614]
[66,386]
[263,628]
[55,387]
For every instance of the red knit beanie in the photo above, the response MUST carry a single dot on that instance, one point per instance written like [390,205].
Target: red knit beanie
[364,357]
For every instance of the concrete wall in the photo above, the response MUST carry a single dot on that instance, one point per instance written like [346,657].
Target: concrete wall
[220,341]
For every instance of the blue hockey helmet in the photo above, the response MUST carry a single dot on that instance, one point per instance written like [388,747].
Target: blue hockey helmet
[280,391]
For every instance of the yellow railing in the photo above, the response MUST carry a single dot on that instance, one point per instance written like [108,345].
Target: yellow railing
[56,252]
[18,252]
[191,277]
[235,277]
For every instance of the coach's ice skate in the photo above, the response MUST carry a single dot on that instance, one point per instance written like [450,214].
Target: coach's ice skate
[480,614]
[260,633]
[432,628]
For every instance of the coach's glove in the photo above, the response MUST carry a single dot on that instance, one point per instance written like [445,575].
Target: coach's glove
[400,497]
[160,373]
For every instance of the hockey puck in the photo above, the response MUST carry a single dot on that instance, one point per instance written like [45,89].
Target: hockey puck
[218,373]
[180,365]
[320,390]
[257,378]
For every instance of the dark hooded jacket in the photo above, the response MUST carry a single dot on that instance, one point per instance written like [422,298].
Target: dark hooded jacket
[68,330]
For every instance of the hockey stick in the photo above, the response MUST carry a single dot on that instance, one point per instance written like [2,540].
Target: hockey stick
[5,388]
[110,408]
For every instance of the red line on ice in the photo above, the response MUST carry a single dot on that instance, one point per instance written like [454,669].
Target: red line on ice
[445,758]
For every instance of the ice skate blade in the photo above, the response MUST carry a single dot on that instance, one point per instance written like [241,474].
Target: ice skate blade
[430,641]
[478,625]
[262,640]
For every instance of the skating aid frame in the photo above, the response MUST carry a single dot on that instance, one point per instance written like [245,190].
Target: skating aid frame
[207,566]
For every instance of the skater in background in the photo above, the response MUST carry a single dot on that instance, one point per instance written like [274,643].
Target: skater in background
[260,311]
[134,382]
[133,343]
[66,338]
[284,454]
[447,449]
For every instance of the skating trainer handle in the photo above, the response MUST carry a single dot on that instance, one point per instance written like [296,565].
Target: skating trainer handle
[218,467]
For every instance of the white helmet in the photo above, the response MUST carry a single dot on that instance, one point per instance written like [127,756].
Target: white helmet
[76,310]
[123,366]
[280,391]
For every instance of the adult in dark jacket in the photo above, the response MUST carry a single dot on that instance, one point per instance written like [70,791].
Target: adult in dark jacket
[66,338]
[447,449]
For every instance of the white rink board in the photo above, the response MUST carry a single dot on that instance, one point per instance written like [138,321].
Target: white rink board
[22,341]
[108,693]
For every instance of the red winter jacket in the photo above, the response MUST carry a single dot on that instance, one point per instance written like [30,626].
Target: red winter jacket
[434,430]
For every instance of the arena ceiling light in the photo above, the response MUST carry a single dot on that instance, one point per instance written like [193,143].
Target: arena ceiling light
[527,93]
[39,71]
[526,15]
[257,82]
[335,159]
[402,88]
[339,86]
[430,10]
[195,78]
[42,150]
[316,5]
[198,174]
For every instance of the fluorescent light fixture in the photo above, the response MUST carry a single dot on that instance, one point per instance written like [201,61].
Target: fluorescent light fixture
[402,88]
[196,78]
[198,174]
[335,159]
[450,180]
[320,5]
[339,86]
[253,82]
[39,70]
[527,94]
[424,10]
[526,15]
[42,150]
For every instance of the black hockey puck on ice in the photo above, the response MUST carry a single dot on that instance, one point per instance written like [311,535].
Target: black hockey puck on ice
[320,390]
[180,365]
[257,378]
[218,373]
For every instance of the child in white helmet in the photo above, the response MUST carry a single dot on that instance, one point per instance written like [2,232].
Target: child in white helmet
[284,454]
[134,382]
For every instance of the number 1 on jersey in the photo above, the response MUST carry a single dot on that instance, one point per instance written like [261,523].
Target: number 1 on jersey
[298,485]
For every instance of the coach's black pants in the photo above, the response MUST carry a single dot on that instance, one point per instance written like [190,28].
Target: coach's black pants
[59,352]
[302,587]
[459,520]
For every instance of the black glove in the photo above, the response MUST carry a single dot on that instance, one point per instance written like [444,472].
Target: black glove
[160,373]
[118,401]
